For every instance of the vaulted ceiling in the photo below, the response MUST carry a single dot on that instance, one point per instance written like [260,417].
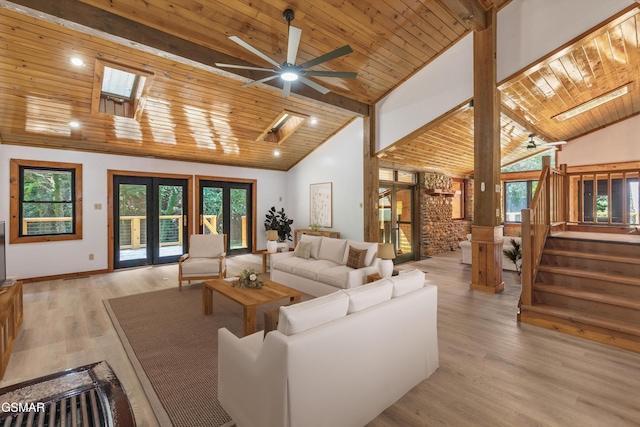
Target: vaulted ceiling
[195,111]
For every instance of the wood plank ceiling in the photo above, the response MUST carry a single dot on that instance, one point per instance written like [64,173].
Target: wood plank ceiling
[596,63]
[195,112]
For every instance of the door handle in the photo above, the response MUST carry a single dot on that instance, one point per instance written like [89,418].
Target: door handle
[184,220]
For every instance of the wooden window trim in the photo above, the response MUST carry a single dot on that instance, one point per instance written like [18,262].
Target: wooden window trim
[14,204]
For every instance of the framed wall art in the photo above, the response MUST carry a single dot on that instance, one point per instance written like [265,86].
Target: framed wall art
[320,210]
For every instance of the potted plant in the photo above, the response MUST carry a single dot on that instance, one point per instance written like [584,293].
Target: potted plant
[514,254]
[278,220]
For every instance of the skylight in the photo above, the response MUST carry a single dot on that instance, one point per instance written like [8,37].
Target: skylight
[119,83]
[595,102]
[119,90]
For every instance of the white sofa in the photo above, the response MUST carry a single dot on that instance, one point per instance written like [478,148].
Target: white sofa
[507,264]
[325,270]
[335,361]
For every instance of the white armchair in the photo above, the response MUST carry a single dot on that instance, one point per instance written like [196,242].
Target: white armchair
[206,258]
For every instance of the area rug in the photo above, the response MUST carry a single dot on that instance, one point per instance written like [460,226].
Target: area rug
[173,348]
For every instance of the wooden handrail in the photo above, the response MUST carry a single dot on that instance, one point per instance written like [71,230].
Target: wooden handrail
[548,207]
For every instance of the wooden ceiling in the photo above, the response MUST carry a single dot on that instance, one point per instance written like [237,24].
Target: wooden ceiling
[194,111]
[197,112]
[592,65]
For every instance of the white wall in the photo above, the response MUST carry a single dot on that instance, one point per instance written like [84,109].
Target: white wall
[613,144]
[52,258]
[338,161]
[527,31]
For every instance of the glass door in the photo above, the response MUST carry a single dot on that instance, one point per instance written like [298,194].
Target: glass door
[150,226]
[395,213]
[225,208]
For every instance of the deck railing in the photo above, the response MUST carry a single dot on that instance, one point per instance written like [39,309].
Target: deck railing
[548,208]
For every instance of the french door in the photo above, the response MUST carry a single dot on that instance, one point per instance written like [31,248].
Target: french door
[226,208]
[150,224]
[395,204]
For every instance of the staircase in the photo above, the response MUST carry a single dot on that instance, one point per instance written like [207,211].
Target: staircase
[589,288]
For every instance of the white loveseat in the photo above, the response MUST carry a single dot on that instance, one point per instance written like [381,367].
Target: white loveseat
[507,264]
[335,361]
[325,270]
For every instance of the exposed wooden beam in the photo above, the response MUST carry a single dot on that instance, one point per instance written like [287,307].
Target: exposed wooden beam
[469,11]
[133,34]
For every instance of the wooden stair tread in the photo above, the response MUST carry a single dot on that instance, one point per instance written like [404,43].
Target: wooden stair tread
[590,274]
[586,318]
[592,256]
[588,295]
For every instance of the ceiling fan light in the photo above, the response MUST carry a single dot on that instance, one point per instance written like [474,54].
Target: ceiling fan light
[289,76]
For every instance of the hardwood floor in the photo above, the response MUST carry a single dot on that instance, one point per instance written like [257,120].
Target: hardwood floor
[493,371]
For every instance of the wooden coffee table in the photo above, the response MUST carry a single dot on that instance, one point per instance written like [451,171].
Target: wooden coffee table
[249,299]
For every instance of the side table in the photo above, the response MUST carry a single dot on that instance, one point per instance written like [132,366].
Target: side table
[373,277]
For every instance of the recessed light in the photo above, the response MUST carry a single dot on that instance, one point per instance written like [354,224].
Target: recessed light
[313,120]
[76,61]
[276,153]
[74,124]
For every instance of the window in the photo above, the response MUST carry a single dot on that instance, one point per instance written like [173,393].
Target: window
[517,196]
[457,202]
[385,174]
[604,198]
[532,163]
[46,201]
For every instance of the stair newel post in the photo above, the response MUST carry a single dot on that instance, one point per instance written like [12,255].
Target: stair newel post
[527,258]
[565,197]
[546,166]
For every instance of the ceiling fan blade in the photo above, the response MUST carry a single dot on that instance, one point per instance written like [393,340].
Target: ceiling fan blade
[244,67]
[344,50]
[255,82]
[555,143]
[294,42]
[253,50]
[286,89]
[323,90]
[343,74]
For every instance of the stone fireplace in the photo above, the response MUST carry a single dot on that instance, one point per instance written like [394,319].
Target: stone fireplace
[438,231]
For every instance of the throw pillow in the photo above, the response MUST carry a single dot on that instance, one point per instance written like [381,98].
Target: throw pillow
[303,250]
[356,257]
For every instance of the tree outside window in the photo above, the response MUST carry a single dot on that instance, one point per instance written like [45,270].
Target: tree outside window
[46,201]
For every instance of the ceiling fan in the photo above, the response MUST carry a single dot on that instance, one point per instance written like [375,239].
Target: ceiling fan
[288,71]
[532,143]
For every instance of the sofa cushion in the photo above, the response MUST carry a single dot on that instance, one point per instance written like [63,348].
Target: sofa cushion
[333,249]
[368,295]
[315,244]
[371,247]
[303,250]
[287,264]
[299,317]
[335,276]
[356,257]
[310,268]
[407,282]
[201,266]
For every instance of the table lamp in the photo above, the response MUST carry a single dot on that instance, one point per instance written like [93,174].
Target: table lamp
[386,252]
[272,241]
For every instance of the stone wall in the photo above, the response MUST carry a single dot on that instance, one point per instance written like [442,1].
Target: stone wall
[438,232]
